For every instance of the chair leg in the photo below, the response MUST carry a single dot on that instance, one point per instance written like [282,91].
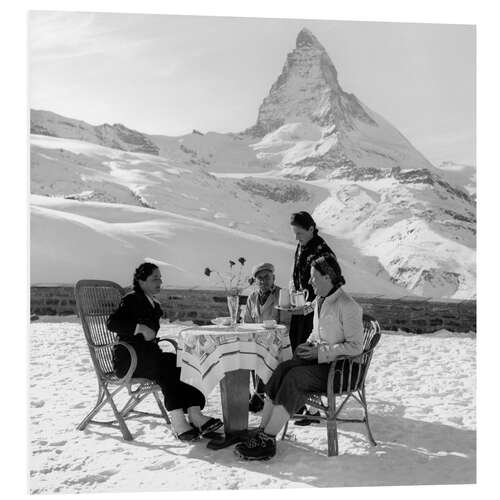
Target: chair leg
[162,407]
[331,429]
[100,401]
[132,403]
[119,418]
[367,423]
[284,430]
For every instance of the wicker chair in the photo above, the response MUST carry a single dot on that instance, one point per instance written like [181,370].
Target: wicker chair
[96,300]
[351,386]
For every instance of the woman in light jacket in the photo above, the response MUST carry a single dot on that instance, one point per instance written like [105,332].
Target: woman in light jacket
[337,331]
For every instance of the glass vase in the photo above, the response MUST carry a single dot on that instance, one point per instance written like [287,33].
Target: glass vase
[233,302]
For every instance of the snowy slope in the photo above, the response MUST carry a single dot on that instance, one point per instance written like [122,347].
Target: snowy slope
[73,239]
[85,171]
[416,235]
[397,227]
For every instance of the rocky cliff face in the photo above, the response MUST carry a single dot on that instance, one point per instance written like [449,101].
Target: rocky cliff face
[115,136]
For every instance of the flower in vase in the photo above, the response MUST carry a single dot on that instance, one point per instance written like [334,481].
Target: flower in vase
[233,281]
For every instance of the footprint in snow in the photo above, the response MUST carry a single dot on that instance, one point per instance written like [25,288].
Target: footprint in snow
[58,443]
[163,466]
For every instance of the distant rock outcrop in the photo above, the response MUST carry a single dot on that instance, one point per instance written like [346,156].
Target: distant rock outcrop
[114,136]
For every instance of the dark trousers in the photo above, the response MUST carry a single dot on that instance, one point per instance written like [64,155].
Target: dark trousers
[300,329]
[294,378]
[159,366]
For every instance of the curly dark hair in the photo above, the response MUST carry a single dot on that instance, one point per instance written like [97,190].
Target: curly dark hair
[141,273]
[327,265]
[303,220]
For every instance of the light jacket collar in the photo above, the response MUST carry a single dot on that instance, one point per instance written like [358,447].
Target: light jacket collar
[333,297]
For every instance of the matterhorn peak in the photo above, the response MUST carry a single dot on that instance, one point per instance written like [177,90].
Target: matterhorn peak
[305,38]
[308,91]
[307,101]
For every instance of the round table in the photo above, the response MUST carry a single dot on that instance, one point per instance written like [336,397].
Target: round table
[208,355]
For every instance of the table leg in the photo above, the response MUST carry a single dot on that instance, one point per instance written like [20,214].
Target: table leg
[234,391]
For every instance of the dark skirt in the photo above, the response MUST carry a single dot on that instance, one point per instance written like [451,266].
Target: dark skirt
[160,367]
[294,378]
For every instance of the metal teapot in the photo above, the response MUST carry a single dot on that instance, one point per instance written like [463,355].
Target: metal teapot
[299,299]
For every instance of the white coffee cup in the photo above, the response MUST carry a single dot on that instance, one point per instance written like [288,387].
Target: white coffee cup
[269,323]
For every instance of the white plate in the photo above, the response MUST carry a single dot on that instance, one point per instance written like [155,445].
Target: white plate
[222,321]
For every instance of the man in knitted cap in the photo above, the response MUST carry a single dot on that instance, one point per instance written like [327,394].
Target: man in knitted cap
[261,302]
[261,305]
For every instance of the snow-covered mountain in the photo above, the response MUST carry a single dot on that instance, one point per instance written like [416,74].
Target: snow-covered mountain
[307,103]
[389,214]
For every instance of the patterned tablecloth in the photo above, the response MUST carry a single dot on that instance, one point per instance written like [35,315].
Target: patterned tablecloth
[206,353]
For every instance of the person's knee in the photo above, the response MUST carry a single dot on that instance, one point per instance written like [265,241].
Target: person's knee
[295,379]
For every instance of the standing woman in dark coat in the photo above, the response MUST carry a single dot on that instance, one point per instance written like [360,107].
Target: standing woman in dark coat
[310,246]
[137,321]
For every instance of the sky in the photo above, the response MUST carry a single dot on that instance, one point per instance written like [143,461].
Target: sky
[163,74]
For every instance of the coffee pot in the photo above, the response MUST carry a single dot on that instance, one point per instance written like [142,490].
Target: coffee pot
[299,299]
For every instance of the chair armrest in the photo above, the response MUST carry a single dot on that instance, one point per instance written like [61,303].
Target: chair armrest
[133,361]
[337,365]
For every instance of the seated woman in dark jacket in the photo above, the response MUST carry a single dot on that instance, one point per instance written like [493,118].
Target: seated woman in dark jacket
[137,321]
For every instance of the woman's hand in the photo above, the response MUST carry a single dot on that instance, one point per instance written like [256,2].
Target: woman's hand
[307,351]
[297,311]
[307,308]
[148,333]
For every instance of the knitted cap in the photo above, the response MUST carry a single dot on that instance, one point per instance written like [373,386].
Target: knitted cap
[265,266]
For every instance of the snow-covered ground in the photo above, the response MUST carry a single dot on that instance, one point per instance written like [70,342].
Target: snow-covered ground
[421,393]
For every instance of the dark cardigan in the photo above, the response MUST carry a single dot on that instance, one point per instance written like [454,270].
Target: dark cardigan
[314,248]
[134,308]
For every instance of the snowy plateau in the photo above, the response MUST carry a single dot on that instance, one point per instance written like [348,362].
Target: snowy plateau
[106,197]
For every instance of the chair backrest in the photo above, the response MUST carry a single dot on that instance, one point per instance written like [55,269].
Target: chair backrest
[371,339]
[350,373]
[371,332]
[95,301]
